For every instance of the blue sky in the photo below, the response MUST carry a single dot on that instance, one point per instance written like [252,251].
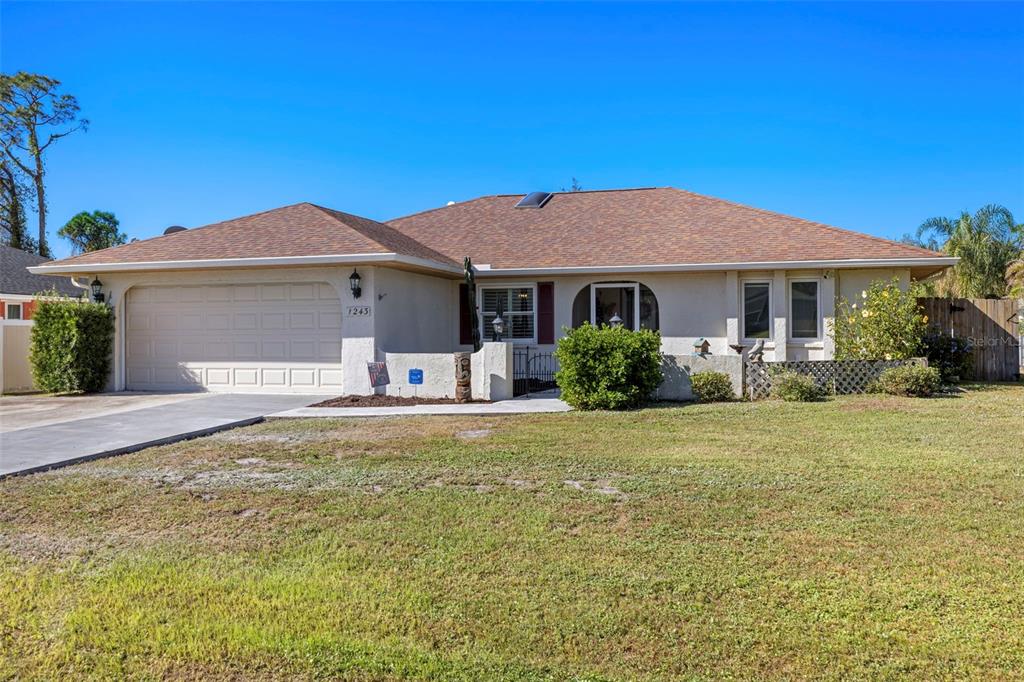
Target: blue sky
[867,116]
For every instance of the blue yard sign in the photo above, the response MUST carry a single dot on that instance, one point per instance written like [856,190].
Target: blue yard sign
[415,376]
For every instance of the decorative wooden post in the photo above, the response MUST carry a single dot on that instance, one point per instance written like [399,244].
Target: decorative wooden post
[463,378]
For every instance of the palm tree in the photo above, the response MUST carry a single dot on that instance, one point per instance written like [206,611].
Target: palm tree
[986,244]
[1015,277]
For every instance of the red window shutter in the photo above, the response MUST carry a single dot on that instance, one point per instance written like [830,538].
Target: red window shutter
[465,316]
[545,312]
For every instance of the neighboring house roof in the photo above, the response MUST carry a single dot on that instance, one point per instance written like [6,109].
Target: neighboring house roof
[642,229]
[16,279]
[297,231]
[657,226]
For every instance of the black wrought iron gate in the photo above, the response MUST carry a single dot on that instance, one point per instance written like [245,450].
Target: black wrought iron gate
[532,370]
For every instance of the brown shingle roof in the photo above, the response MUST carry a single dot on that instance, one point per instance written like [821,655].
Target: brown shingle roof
[655,226]
[298,230]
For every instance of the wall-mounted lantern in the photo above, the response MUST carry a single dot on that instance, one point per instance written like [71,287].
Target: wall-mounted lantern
[616,321]
[97,290]
[498,325]
[354,284]
[701,347]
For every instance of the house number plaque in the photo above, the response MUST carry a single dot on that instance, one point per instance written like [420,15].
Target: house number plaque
[358,311]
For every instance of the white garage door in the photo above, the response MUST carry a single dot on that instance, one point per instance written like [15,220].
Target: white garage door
[238,337]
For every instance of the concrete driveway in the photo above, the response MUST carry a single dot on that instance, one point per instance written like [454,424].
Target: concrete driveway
[43,432]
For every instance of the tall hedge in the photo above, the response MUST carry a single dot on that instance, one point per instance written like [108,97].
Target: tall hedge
[71,346]
[608,368]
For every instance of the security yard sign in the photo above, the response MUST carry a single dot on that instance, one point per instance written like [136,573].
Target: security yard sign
[416,377]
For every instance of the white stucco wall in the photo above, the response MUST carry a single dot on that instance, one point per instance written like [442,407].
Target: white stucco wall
[852,282]
[438,374]
[415,313]
[491,377]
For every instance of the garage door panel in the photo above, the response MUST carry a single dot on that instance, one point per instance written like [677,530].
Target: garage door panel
[302,320]
[138,322]
[330,320]
[246,321]
[302,350]
[247,376]
[247,294]
[305,378]
[234,337]
[273,320]
[275,377]
[218,321]
[190,321]
[329,350]
[330,377]
[247,350]
[273,292]
[303,292]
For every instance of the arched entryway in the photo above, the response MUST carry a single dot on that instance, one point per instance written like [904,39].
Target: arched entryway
[632,303]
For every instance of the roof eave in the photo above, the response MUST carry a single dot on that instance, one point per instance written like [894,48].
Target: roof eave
[275,261]
[930,262]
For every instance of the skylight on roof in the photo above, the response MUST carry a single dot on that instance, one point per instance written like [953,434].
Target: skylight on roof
[534,200]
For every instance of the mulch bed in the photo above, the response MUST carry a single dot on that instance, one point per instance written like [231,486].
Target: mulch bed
[386,401]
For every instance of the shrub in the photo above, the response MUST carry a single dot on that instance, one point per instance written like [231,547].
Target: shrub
[796,387]
[608,368]
[71,345]
[913,381]
[712,387]
[886,324]
[950,355]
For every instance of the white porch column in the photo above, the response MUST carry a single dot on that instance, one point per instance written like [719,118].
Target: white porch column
[732,308]
[358,341]
[780,305]
[828,313]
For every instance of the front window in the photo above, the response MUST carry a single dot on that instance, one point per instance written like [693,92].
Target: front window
[803,307]
[13,311]
[757,310]
[516,306]
[615,302]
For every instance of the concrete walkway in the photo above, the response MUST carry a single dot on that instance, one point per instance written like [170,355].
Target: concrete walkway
[46,446]
[517,406]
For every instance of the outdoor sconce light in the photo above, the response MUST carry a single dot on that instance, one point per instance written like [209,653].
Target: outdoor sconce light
[353,282]
[616,321]
[499,327]
[97,290]
[701,347]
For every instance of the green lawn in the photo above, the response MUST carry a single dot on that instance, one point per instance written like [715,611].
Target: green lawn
[865,537]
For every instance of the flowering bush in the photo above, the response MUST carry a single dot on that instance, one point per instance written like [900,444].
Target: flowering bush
[885,324]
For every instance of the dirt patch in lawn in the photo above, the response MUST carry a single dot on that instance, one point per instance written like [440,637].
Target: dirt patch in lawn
[387,401]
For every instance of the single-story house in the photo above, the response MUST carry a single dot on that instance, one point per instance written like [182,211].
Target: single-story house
[301,298]
[19,290]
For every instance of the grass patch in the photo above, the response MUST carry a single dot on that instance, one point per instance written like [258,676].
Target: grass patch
[874,536]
